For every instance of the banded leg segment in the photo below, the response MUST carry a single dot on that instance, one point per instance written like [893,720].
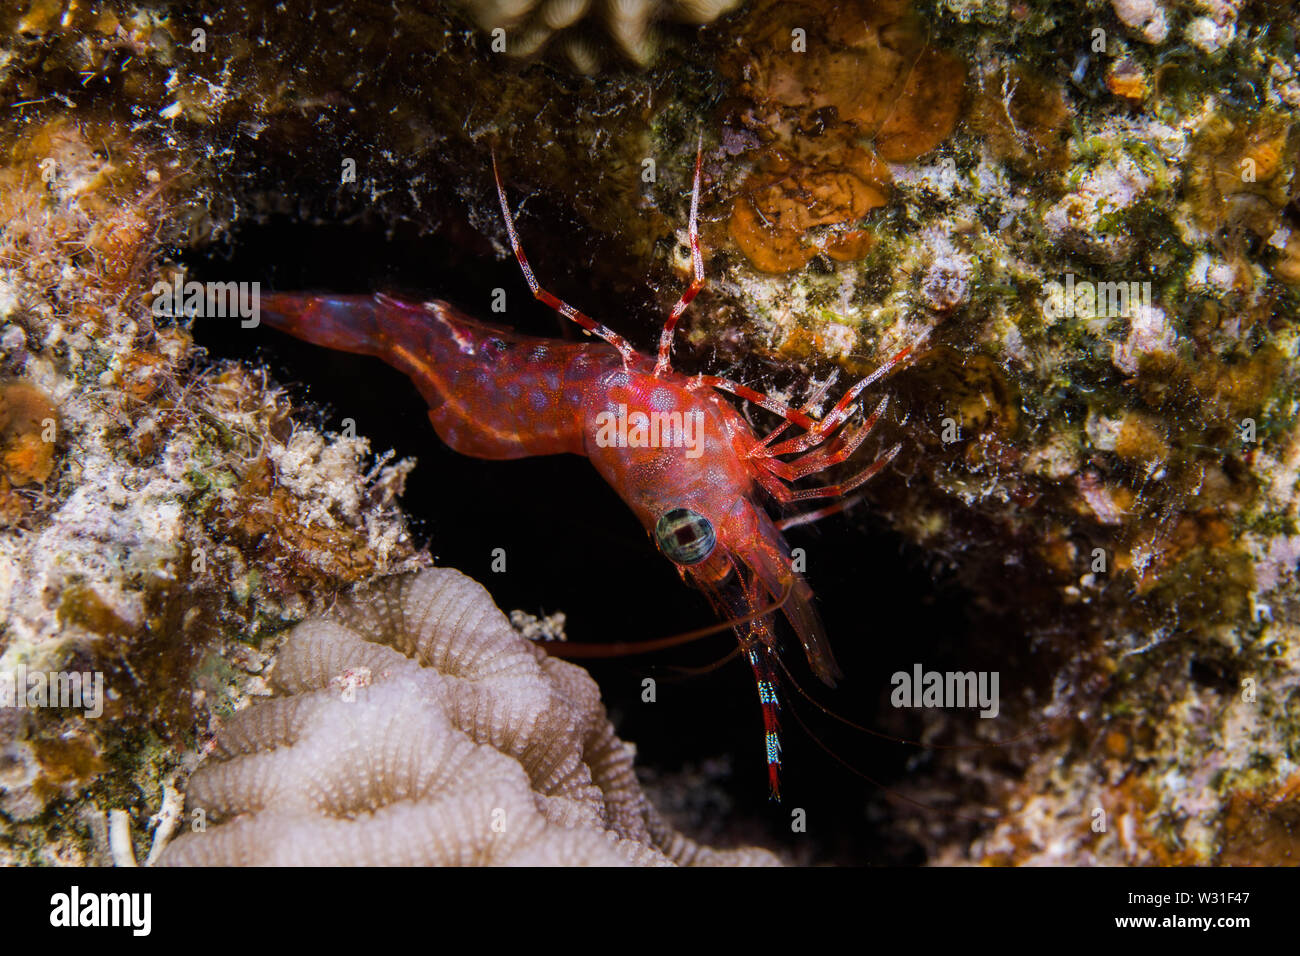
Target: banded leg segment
[819,430]
[808,517]
[792,415]
[836,450]
[559,305]
[790,495]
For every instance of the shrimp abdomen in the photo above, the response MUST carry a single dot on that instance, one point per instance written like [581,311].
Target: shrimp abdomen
[491,393]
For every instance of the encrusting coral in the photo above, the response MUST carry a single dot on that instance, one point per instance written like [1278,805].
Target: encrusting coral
[415,726]
[867,71]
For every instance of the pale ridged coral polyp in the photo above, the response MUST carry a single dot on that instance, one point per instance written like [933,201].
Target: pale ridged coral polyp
[414,726]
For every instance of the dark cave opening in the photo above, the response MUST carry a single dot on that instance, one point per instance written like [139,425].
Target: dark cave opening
[572,545]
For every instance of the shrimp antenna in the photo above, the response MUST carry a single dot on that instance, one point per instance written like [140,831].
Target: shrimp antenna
[623,648]
[982,745]
[559,305]
[688,672]
[888,791]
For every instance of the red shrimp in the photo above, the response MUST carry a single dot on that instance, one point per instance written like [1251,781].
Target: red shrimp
[679,454]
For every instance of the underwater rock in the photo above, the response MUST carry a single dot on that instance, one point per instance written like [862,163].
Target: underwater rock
[1023,118]
[783,200]
[813,81]
[1241,174]
[1080,217]
[1127,80]
[1147,17]
[128,463]
[1115,488]
[29,429]
[414,726]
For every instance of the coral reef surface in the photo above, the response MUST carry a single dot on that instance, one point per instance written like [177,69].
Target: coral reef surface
[1091,207]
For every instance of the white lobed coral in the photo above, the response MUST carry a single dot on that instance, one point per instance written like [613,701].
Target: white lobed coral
[414,726]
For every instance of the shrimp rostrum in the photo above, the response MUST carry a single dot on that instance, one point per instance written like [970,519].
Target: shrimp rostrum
[673,446]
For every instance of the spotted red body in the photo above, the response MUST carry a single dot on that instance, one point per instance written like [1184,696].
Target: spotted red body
[681,456]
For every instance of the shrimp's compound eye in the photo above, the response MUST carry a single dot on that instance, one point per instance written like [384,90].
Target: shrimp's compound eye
[685,536]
